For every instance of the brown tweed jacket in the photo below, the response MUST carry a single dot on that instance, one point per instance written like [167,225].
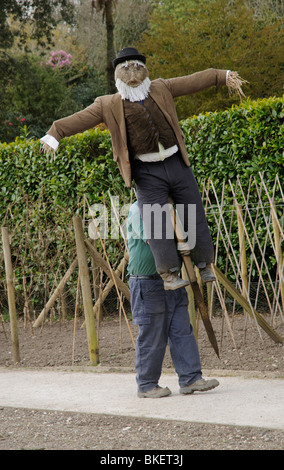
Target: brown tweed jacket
[109,110]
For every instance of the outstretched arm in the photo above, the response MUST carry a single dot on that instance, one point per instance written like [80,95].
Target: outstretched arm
[181,86]
[70,125]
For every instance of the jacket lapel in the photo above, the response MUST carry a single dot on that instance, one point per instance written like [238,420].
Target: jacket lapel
[157,96]
[118,114]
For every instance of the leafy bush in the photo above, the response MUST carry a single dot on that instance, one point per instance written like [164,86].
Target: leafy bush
[241,141]
[236,145]
[40,93]
[39,196]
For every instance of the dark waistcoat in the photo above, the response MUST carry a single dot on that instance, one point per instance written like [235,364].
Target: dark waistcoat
[146,125]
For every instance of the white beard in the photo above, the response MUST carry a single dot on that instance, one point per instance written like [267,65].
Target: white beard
[131,93]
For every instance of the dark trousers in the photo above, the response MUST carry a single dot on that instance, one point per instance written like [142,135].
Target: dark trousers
[155,182]
[162,317]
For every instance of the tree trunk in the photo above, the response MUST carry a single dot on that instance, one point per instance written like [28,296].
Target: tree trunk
[110,46]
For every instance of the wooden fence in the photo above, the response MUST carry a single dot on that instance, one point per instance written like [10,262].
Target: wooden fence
[249,239]
[247,224]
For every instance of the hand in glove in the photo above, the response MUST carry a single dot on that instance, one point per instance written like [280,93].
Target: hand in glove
[183,248]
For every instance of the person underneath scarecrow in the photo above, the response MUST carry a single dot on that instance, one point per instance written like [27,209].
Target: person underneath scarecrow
[149,148]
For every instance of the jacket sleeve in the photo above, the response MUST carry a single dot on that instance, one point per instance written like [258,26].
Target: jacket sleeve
[77,122]
[198,81]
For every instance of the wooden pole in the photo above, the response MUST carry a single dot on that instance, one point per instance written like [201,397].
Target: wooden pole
[56,294]
[86,291]
[245,304]
[191,303]
[122,265]
[11,295]
[244,270]
[119,284]
[241,232]
[200,303]
[107,269]
[194,284]
[96,275]
[110,284]
[279,256]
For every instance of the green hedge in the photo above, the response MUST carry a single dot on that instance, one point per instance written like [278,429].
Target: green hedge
[40,194]
[241,141]
[83,164]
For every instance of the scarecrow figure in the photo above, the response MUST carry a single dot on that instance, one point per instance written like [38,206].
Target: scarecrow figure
[149,148]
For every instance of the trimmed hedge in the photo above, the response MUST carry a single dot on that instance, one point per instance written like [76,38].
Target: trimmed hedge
[83,165]
[241,141]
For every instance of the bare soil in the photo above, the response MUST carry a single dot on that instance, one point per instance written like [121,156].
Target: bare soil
[244,349]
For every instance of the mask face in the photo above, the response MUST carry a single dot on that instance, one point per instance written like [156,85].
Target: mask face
[131,72]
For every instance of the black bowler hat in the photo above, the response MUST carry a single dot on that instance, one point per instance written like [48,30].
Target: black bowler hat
[128,53]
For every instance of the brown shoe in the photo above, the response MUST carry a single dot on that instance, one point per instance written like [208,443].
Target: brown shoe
[200,385]
[172,281]
[207,275]
[157,392]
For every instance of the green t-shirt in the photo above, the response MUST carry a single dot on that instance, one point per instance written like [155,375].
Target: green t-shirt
[141,260]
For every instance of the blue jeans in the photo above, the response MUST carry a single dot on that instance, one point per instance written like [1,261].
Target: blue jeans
[162,317]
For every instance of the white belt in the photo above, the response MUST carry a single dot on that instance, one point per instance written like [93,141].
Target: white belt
[157,156]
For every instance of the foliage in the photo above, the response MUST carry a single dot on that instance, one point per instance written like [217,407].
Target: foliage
[34,94]
[241,141]
[43,15]
[41,94]
[83,165]
[130,20]
[236,145]
[267,10]
[40,195]
[217,34]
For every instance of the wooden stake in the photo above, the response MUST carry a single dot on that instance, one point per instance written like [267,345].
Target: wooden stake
[191,304]
[56,294]
[99,302]
[63,304]
[194,284]
[75,320]
[11,295]
[86,291]
[119,284]
[244,303]
[96,275]
[243,257]
[279,256]
[107,269]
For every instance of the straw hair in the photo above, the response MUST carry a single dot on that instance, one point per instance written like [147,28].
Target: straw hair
[47,149]
[234,84]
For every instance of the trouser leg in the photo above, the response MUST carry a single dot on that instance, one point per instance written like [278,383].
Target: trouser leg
[150,352]
[155,182]
[149,312]
[185,191]
[182,342]
[152,190]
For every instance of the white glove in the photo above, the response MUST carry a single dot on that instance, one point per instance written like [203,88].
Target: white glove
[183,248]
